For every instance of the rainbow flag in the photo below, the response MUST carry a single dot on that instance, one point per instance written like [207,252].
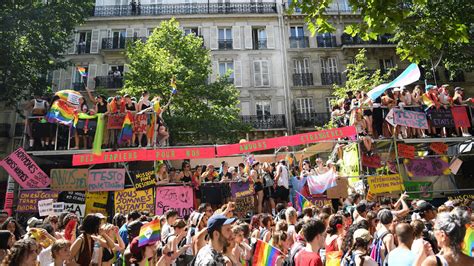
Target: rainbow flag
[468,244]
[150,233]
[265,254]
[426,101]
[127,129]
[82,71]
[61,112]
[302,202]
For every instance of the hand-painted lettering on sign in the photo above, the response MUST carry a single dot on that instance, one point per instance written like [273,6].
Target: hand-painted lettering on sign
[410,118]
[24,170]
[130,200]
[111,179]
[74,179]
[179,198]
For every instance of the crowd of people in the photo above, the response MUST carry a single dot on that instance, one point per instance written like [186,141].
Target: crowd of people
[368,116]
[149,127]
[359,232]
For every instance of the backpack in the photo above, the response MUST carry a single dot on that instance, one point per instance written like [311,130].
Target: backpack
[350,260]
[377,247]
[292,255]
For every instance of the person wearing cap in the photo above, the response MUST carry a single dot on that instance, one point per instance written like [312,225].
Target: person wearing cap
[219,230]
[428,213]
[360,249]
[282,187]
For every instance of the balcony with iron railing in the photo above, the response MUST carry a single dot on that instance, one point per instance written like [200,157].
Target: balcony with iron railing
[348,40]
[331,78]
[109,82]
[119,43]
[299,42]
[225,44]
[184,9]
[335,7]
[311,119]
[302,79]
[260,44]
[83,48]
[326,41]
[265,121]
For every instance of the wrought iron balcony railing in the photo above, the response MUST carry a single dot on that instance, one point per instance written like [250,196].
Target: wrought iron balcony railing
[326,41]
[311,119]
[109,82]
[225,44]
[184,9]
[260,44]
[119,43]
[347,39]
[83,48]
[303,79]
[299,42]
[331,78]
[265,121]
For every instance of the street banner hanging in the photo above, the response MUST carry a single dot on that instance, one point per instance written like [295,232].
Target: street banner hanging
[441,117]
[111,179]
[460,116]
[406,151]
[96,202]
[410,119]
[421,188]
[427,167]
[134,200]
[28,199]
[109,157]
[179,198]
[180,153]
[24,170]
[243,194]
[72,179]
[387,183]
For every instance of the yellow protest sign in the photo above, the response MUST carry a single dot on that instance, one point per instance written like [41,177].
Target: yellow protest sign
[385,183]
[350,161]
[130,199]
[96,202]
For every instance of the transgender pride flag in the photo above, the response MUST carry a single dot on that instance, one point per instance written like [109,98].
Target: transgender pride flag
[410,75]
[317,184]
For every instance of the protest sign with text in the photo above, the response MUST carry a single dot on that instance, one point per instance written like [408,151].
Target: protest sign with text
[427,167]
[439,147]
[110,179]
[115,121]
[28,199]
[96,202]
[406,151]
[243,194]
[420,189]
[144,179]
[387,183]
[45,207]
[179,198]
[73,179]
[134,200]
[350,158]
[460,116]
[373,161]
[441,117]
[24,170]
[410,118]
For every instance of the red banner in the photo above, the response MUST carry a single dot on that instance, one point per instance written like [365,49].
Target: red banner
[299,139]
[406,151]
[439,147]
[460,116]
[143,155]
[371,161]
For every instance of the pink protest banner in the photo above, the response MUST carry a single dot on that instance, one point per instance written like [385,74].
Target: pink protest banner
[24,170]
[299,139]
[180,153]
[106,179]
[179,198]
[427,167]
[460,116]
[410,119]
[28,199]
[109,157]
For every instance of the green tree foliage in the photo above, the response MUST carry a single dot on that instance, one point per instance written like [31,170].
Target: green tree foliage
[211,110]
[34,34]
[423,30]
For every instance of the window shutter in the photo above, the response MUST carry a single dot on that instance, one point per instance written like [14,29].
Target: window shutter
[248,37]
[56,79]
[95,41]
[67,81]
[129,32]
[215,70]
[73,48]
[257,72]
[104,70]
[92,73]
[265,73]
[236,41]
[214,34]
[270,37]
[238,73]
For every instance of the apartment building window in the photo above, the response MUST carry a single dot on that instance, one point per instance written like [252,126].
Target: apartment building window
[78,81]
[259,38]
[297,38]
[225,38]
[84,44]
[385,64]
[194,31]
[302,75]
[304,105]
[224,67]
[261,73]
[329,72]
[329,103]
[118,39]
[263,109]
[326,40]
